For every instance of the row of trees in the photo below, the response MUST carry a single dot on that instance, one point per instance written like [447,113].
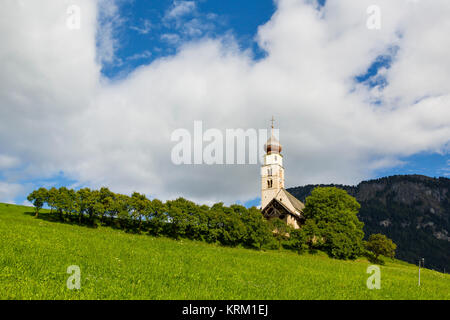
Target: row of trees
[180,218]
[331,223]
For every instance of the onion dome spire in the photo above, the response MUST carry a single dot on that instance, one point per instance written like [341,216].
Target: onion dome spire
[272,145]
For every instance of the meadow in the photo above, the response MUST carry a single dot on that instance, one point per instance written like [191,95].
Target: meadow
[35,254]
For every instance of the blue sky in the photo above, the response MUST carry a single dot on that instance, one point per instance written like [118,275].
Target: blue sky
[143,36]
[148,33]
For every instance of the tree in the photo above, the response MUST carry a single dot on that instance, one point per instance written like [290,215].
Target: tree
[38,198]
[234,229]
[225,224]
[379,244]
[106,198]
[280,230]
[178,217]
[69,202]
[65,202]
[139,204]
[334,214]
[258,233]
[201,230]
[215,223]
[156,217]
[123,207]
[52,198]
[82,202]
[298,240]
[311,232]
[92,208]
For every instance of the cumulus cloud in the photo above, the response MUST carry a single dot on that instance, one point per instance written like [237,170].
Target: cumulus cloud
[59,114]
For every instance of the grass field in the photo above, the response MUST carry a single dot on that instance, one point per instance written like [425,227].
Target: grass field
[35,254]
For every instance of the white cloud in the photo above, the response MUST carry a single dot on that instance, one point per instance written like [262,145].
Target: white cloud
[186,23]
[171,38]
[109,21]
[9,191]
[143,55]
[145,29]
[58,114]
[180,8]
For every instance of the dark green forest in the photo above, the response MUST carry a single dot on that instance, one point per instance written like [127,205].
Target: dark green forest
[412,210]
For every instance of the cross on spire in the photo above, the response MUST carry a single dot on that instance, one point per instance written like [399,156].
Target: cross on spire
[272,121]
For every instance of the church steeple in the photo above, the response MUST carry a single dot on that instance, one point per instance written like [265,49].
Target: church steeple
[276,202]
[272,171]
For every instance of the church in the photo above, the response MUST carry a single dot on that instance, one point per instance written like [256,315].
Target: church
[276,202]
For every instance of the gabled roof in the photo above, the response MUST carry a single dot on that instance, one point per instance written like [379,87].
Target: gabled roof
[278,205]
[297,204]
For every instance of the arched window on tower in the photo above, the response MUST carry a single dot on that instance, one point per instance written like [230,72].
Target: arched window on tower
[269,183]
[269,171]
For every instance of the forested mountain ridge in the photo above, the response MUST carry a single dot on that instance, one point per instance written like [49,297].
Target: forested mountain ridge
[412,210]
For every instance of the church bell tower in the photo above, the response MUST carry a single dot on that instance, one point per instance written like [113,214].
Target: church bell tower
[272,171]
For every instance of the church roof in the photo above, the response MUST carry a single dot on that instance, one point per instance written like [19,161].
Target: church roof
[297,204]
[280,208]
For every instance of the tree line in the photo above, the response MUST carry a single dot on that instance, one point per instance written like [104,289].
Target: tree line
[180,218]
[331,222]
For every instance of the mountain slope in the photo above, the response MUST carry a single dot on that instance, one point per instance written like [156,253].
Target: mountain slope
[412,210]
[35,254]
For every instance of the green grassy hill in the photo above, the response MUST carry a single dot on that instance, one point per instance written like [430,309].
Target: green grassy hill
[35,254]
